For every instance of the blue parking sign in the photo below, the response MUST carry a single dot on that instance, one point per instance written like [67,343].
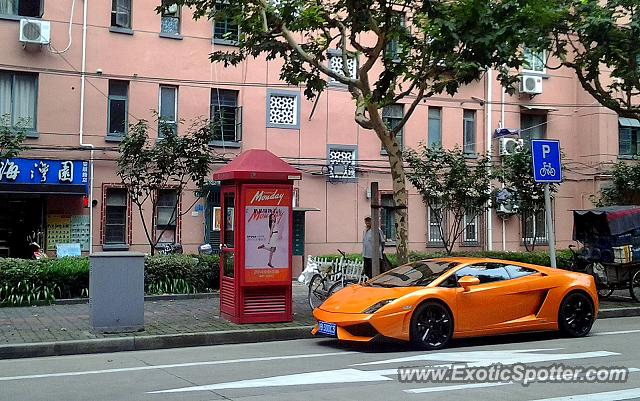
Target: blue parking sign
[546,160]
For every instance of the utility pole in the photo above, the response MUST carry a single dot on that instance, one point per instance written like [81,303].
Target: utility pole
[375,229]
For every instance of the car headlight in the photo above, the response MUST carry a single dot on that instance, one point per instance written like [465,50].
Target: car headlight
[374,308]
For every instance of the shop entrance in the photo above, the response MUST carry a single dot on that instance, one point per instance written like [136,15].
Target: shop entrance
[21,220]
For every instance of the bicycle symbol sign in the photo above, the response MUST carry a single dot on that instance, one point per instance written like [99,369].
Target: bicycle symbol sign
[546,160]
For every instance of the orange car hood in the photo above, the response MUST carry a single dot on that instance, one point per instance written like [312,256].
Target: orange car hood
[356,298]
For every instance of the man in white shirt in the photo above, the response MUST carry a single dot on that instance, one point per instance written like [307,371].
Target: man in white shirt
[367,247]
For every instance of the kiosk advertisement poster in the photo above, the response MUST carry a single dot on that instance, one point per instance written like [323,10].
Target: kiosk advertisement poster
[267,244]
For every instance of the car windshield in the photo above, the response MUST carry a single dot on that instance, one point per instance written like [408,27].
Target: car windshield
[423,272]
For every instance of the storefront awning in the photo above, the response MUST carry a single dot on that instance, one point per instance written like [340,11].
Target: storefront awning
[535,107]
[629,122]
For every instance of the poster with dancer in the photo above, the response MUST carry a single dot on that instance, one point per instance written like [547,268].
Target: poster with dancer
[267,234]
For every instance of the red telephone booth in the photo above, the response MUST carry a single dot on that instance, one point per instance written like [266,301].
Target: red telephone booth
[256,194]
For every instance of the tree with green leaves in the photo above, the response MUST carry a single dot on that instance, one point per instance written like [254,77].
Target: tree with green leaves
[11,138]
[452,186]
[624,188]
[389,52]
[516,173]
[147,166]
[598,40]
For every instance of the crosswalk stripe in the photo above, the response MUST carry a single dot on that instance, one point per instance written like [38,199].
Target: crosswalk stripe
[618,395]
[454,388]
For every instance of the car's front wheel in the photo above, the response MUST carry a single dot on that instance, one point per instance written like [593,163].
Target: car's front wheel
[431,326]
[576,315]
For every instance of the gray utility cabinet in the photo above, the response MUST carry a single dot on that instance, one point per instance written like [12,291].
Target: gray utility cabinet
[116,291]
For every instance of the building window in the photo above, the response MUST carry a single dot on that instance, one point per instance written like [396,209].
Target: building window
[166,216]
[283,109]
[435,127]
[336,64]
[628,130]
[170,19]
[434,233]
[392,116]
[470,233]
[535,227]
[18,98]
[121,14]
[533,126]
[342,162]
[168,110]
[226,116]
[469,132]
[534,60]
[225,30]
[393,49]
[388,217]
[118,108]
[115,216]
[22,8]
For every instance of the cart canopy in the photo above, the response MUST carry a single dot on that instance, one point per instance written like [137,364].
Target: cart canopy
[605,221]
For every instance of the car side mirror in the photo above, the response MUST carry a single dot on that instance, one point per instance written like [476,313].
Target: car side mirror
[467,281]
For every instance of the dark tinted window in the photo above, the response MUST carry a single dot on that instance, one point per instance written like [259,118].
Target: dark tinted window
[486,273]
[413,274]
[518,271]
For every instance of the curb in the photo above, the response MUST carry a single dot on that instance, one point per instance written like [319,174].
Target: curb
[138,343]
[165,297]
[619,312]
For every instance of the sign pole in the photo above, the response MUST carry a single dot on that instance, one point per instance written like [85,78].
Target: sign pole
[549,217]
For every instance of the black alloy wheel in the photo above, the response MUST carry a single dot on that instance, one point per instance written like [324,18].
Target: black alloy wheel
[431,326]
[576,316]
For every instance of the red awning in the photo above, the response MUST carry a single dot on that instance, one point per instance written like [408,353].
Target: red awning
[257,164]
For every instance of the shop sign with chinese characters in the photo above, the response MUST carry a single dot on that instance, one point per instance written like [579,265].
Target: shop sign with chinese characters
[72,174]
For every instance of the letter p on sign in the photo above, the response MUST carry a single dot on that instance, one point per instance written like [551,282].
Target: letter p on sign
[546,149]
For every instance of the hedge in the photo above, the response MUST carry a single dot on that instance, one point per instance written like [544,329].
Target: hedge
[29,282]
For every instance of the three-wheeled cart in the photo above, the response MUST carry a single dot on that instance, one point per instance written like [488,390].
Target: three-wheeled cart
[610,238]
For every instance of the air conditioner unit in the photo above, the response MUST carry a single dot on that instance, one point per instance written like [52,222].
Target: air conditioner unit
[35,31]
[510,146]
[531,84]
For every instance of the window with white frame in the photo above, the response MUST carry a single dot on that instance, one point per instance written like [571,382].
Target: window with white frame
[628,137]
[469,132]
[433,226]
[434,127]
[22,8]
[166,215]
[168,109]
[392,116]
[170,18]
[18,98]
[225,30]
[342,162]
[121,14]
[283,109]
[534,60]
[393,48]
[336,64]
[226,116]
[118,108]
[535,228]
[470,233]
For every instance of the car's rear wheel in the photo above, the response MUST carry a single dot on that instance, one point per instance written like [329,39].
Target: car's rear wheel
[431,326]
[576,315]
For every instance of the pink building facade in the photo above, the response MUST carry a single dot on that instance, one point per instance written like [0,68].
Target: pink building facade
[122,60]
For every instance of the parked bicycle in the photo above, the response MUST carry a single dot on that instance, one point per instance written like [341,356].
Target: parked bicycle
[329,277]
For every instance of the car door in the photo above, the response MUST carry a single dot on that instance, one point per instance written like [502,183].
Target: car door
[499,301]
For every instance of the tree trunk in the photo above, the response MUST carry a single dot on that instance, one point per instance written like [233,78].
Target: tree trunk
[400,199]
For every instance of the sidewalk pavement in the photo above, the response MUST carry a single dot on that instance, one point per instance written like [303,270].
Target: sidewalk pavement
[64,328]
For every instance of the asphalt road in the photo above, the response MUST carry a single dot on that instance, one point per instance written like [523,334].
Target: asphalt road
[320,369]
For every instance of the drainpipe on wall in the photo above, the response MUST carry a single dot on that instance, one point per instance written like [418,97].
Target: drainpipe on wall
[502,124]
[489,123]
[83,73]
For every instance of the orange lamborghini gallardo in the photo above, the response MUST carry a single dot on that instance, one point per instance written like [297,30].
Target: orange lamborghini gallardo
[429,302]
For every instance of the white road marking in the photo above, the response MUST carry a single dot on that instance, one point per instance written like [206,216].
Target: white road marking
[322,377]
[630,394]
[176,365]
[488,358]
[454,388]
[472,358]
[610,333]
